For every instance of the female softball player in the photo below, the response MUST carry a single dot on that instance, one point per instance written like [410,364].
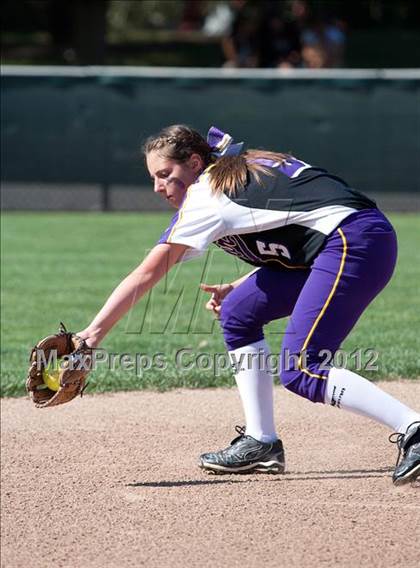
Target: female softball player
[322,252]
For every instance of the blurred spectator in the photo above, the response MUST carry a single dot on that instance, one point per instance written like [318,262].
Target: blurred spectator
[276,34]
[323,37]
[279,39]
[240,44]
[219,20]
[335,35]
[314,56]
[254,34]
[327,38]
[191,16]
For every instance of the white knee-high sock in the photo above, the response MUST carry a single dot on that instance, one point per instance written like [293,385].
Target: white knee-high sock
[352,392]
[255,386]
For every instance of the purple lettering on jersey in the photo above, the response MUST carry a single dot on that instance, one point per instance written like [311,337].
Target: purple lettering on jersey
[164,236]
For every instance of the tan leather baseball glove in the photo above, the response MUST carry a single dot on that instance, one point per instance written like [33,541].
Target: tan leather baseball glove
[75,363]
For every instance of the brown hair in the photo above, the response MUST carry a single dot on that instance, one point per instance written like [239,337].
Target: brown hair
[230,173]
[178,142]
[226,174]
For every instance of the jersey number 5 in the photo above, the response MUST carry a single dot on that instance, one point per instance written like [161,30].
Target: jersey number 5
[273,248]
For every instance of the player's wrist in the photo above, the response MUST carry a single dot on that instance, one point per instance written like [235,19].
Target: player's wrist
[91,337]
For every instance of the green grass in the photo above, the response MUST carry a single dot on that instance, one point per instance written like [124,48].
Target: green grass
[62,266]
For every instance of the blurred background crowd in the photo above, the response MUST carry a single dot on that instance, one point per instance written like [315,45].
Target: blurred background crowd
[212,33]
[277,34]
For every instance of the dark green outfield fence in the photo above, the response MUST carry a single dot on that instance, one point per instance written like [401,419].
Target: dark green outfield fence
[84,126]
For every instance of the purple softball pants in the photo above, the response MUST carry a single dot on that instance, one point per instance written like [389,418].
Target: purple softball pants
[324,301]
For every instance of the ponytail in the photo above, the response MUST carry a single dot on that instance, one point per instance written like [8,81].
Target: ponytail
[231,173]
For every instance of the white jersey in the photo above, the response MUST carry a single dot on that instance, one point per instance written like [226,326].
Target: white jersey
[282,222]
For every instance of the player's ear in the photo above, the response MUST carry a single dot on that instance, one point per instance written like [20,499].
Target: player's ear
[196,163]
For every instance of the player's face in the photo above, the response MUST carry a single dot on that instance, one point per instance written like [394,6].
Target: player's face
[171,179]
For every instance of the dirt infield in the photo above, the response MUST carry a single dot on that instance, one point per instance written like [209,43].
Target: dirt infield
[111,480]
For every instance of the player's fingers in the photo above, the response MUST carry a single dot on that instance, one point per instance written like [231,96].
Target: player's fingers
[211,304]
[209,288]
[216,312]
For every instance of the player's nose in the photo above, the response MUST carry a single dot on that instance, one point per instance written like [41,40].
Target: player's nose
[159,186]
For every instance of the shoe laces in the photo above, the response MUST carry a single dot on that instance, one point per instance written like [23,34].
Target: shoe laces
[398,438]
[241,431]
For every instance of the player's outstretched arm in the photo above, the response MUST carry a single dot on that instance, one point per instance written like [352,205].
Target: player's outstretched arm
[156,264]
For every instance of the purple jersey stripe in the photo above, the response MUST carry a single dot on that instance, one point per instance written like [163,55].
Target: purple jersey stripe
[266,162]
[164,236]
[289,167]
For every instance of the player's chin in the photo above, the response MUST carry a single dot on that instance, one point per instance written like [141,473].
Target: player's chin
[173,202]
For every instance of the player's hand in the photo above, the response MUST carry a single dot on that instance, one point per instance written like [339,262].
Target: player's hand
[218,292]
[92,340]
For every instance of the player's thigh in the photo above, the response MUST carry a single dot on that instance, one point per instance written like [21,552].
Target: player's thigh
[264,296]
[345,277]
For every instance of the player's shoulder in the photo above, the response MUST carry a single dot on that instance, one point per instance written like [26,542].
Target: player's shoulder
[200,190]
[203,180]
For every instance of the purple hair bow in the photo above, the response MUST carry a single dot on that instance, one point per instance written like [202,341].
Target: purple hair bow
[222,144]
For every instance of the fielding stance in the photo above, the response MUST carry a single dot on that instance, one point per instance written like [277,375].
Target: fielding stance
[323,251]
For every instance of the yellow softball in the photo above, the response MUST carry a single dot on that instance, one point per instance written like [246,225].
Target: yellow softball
[51,376]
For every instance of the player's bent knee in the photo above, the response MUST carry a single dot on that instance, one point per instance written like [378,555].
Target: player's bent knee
[229,321]
[237,328]
[302,384]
